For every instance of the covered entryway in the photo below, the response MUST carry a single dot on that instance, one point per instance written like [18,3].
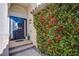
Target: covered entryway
[18,22]
[18,16]
[22,33]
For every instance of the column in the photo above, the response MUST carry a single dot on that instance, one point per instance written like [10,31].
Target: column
[4,29]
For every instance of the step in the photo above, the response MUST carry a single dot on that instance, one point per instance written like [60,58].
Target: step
[29,52]
[20,48]
[16,43]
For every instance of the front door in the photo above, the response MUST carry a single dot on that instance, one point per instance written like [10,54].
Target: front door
[17,27]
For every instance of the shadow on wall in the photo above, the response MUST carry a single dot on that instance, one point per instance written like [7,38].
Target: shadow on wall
[5,51]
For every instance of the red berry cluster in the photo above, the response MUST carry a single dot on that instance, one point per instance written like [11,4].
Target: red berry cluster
[42,19]
[49,41]
[53,20]
[58,38]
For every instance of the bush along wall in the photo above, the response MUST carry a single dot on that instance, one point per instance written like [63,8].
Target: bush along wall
[57,28]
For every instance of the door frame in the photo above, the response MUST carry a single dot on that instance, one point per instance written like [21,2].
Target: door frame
[25,27]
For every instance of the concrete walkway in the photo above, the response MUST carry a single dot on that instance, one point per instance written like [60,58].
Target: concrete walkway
[29,52]
[23,48]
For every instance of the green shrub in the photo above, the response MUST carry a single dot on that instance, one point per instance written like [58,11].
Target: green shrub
[57,28]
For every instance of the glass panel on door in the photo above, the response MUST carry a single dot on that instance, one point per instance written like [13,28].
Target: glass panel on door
[17,28]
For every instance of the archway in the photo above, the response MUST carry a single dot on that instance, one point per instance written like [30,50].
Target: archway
[18,14]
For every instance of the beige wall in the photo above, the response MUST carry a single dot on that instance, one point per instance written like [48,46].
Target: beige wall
[4,27]
[32,30]
[18,11]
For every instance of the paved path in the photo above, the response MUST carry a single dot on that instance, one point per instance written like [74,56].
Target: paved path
[30,52]
[26,48]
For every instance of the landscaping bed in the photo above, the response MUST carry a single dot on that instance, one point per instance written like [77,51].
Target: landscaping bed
[57,27]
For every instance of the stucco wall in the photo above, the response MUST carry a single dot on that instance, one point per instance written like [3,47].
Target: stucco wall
[18,11]
[4,27]
[32,30]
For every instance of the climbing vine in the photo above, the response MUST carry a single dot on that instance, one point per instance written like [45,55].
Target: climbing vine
[57,28]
